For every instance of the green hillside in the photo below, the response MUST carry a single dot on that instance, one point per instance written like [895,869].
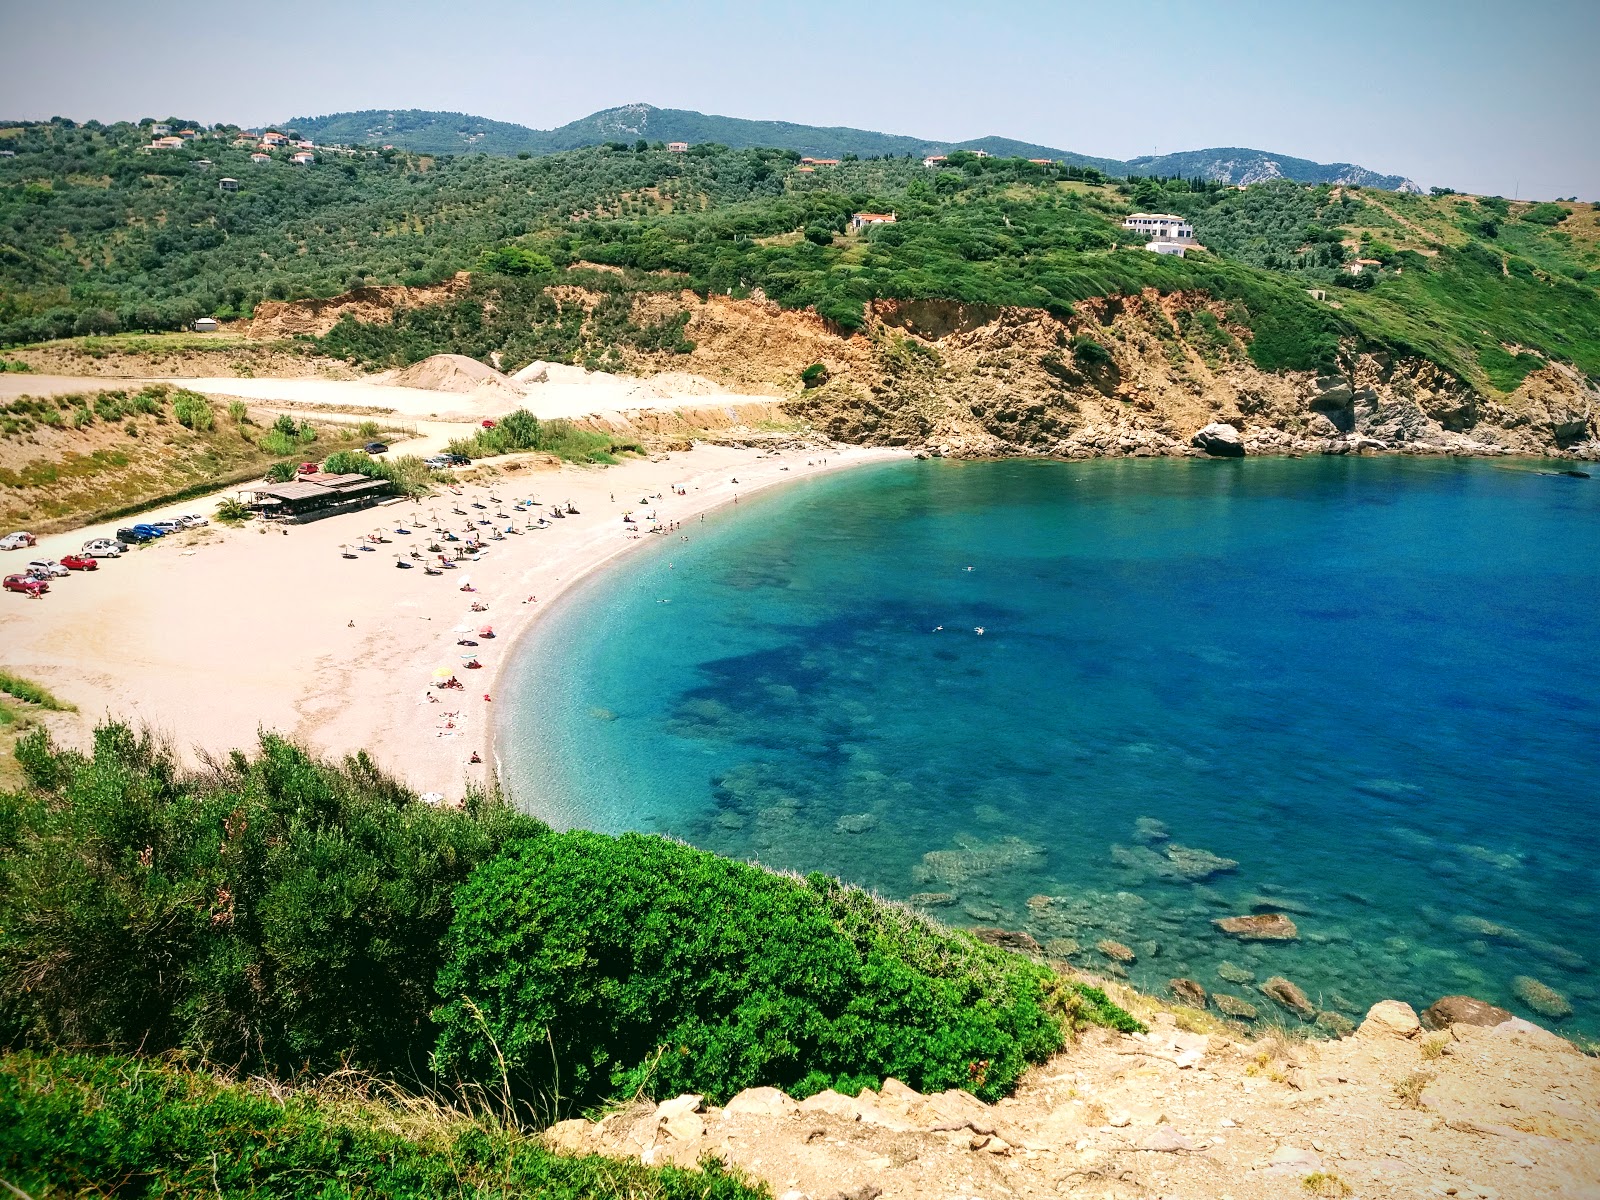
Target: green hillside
[98,235]
[454,133]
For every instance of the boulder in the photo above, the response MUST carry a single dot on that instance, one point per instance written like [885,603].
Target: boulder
[1062,947]
[1148,829]
[687,1103]
[1462,1010]
[1220,441]
[1009,939]
[1390,1018]
[760,1102]
[1335,1024]
[1259,927]
[1291,997]
[830,1101]
[1188,991]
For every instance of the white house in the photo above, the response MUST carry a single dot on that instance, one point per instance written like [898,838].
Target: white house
[206,325]
[158,130]
[677,147]
[1166,248]
[227,184]
[303,158]
[1162,227]
[260,159]
[862,219]
[934,160]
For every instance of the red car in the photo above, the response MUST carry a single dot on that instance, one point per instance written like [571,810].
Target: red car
[79,562]
[26,584]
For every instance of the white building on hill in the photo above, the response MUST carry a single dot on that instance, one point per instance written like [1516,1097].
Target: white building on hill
[1161,227]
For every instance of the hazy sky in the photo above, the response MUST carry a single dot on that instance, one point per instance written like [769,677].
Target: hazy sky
[1491,98]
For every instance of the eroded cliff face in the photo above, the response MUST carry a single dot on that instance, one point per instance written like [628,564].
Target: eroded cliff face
[1123,375]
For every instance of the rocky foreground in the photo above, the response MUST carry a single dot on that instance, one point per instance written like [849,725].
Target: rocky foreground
[1472,1110]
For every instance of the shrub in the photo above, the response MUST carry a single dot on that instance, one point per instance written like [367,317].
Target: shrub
[1089,352]
[83,1125]
[272,911]
[814,376]
[275,441]
[193,411]
[636,963]
[232,509]
[238,412]
[281,472]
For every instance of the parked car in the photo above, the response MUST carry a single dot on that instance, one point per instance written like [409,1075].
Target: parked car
[26,584]
[79,562]
[103,548]
[17,541]
[376,448]
[193,520]
[488,424]
[438,462]
[49,568]
[134,537]
[459,460]
[154,531]
[310,468]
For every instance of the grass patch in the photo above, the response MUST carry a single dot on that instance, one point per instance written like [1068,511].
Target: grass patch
[29,692]
[1409,1088]
[522,431]
[92,1125]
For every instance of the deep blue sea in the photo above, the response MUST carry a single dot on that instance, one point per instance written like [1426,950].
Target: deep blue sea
[1370,683]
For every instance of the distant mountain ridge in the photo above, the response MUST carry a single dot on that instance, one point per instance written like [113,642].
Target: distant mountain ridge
[428,132]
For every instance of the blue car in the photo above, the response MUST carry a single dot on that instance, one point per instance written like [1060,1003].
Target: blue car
[133,537]
[150,531]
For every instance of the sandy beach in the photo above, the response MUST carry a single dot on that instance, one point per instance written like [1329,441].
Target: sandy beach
[211,635]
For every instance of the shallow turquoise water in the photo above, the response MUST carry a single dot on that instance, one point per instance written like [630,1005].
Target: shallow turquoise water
[1371,683]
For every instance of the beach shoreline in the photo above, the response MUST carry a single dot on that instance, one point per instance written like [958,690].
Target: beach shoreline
[213,635]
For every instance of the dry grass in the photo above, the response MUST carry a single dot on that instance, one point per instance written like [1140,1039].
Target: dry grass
[1409,1088]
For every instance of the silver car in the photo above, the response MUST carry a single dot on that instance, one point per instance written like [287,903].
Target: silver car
[103,548]
[47,568]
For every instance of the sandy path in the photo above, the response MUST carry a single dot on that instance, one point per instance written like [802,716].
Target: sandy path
[212,634]
[599,394]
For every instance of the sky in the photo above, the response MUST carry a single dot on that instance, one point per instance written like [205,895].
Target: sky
[1460,93]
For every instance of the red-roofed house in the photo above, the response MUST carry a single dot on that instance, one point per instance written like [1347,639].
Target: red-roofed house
[934,160]
[260,159]
[821,162]
[677,147]
[273,139]
[863,219]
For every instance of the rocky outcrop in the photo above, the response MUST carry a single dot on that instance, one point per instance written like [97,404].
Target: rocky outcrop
[1219,440]
[1503,1111]
[1462,1010]
[1121,375]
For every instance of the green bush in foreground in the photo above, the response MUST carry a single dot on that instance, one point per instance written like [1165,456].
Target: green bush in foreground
[80,1125]
[276,911]
[597,966]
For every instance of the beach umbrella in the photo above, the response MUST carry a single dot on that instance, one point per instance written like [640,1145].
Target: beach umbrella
[462,628]
[443,672]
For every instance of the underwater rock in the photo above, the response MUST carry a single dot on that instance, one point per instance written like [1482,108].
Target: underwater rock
[1143,861]
[1198,865]
[1541,997]
[1188,991]
[1480,928]
[1263,903]
[982,910]
[1335,1024]
[729,820]
[602,714]
[1462,1010]
[1115,950]
[1009,939]
[1260,927]
[1148,829]
[1040,903]
[856,823]
[1287,994]
[1062,947]
[973,858]
[1234,974]
[1233,1006]
[931,899]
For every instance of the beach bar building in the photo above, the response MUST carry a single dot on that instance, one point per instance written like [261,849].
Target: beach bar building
[314,496]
